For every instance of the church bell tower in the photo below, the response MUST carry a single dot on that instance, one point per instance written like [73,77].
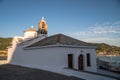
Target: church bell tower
[42,27]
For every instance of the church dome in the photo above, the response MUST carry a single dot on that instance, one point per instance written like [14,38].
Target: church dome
[30,33]
[31,29]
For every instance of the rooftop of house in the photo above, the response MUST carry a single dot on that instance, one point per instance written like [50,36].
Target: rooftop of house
[60,39]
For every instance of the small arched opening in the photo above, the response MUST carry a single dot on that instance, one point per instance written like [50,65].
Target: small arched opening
[80,62]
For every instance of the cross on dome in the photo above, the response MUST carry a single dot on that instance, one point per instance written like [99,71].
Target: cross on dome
[32,26]
[43,18]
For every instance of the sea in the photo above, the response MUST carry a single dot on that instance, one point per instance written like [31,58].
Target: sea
[115,59]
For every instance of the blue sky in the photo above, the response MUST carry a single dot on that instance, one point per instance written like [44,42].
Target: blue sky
[88,20]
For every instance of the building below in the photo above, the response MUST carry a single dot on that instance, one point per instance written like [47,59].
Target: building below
[37,50]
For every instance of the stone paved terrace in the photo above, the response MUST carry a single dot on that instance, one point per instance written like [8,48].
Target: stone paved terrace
[12,72]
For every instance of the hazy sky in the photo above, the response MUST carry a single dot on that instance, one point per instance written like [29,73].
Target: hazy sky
[87,20]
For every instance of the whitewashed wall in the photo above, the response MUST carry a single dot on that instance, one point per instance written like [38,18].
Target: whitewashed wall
[11,49]
[77,51]
[52,57]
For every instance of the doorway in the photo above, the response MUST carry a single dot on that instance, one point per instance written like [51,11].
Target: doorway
[80,62]
[70,60]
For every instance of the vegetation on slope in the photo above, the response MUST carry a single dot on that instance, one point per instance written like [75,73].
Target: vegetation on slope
[106,49]
[102,48]
[4,43]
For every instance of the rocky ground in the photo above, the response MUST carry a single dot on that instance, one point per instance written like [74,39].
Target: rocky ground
[13,72]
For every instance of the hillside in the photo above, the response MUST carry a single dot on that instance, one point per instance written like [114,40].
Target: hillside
[4,43]
[106,49]
[101,47]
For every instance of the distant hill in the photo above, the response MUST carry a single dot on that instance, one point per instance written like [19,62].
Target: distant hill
[4,43]
[106,49]
[101,47]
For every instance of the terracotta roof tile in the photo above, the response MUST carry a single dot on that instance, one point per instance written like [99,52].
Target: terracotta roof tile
[59,38]
[31,29]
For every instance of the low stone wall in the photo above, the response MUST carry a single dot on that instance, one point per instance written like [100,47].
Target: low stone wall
[3,62]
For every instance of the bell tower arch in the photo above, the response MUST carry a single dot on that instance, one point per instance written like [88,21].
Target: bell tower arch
[42,27]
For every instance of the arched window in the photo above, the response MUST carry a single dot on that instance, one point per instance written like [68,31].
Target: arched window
[80,62]
[43,24]
[42,31]
[88,59]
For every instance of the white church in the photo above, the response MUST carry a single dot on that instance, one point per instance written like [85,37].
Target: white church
[38,50]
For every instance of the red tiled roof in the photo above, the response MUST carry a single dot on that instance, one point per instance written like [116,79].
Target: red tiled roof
[30,29]
[59,38]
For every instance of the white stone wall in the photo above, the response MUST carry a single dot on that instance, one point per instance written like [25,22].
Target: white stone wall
[77,52]
[54,57]
[40,57]
[11,49]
